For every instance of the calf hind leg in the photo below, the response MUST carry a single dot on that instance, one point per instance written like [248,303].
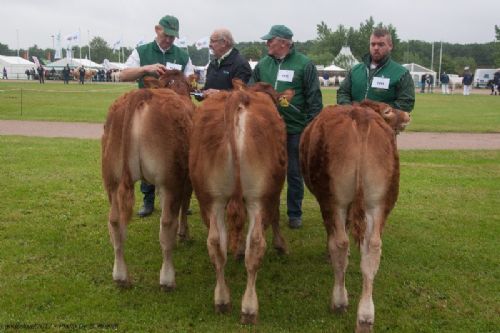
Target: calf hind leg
[121,208]
[256,246]
[338,246]
[371,250]
[217,250]
[168,226]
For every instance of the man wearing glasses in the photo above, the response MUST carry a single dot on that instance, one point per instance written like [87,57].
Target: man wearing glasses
[228,63]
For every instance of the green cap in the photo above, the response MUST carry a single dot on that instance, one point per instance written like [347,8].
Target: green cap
[170,25]
[278,31]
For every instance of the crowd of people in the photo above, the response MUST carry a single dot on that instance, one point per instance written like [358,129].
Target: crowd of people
[284,68]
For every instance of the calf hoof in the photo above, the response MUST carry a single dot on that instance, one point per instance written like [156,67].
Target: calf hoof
[183,238]
[364,327]
[167,288]
[223,308]
[281,250]
[248,318]
[339,309]
[123,284]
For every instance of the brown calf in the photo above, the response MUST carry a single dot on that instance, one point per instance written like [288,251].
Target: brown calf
[238,161]
[350,163]
[146,136]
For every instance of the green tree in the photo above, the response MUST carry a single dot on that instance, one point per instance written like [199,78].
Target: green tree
[4,50]
[99,50]
[252,52]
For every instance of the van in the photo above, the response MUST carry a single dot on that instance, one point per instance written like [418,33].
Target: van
[482,76]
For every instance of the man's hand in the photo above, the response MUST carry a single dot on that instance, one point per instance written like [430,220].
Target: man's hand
[209,92]
[156,69]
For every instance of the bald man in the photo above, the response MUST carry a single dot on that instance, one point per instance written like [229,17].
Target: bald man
[228,63]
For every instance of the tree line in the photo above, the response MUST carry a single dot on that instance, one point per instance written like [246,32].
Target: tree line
[322,50]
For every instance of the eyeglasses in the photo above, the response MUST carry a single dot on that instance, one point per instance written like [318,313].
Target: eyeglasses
[216,40]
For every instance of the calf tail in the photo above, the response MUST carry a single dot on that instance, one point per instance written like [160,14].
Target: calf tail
[236,214]
[357,217]
[357,214]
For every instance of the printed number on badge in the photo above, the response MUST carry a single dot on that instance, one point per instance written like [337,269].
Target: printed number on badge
[380,83]
[171,66]
[285,75]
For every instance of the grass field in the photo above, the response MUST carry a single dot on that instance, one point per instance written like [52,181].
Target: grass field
[440,267]
[55,101]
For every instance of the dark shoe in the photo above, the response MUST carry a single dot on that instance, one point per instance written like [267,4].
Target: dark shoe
[189,212]
[295,223]
[145,210]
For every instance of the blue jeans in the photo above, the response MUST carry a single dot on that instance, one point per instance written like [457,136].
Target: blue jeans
[295,191]
[149,193]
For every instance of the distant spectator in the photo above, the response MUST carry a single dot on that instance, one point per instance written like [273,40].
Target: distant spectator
[5,74]
[66,71]
[53,73]
[496,82]
[430,83]
[467,81]
[33,73]
[422,83]
[326,77]
[28,73]
[445,81]
[41,74]
[491,85]
[82,74]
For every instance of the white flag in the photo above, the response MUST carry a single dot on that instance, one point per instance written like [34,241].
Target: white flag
[73,39]
[35,60]
[181,42]
[202,43]
[117,45]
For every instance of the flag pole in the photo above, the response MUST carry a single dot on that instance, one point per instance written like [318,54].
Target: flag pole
[79,42]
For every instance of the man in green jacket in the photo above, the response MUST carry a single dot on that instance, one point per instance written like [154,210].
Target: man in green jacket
[378,77]
[285,68]
[153,59]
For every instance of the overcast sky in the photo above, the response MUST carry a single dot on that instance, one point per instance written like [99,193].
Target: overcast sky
[34,21]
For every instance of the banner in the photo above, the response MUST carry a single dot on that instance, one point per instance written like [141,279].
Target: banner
[202,43]
[58,54]
[106,65]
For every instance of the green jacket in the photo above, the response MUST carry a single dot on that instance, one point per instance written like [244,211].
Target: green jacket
[151,54]
[396,85]
[307,101]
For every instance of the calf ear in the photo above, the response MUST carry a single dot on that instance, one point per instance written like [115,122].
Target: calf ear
[238,84]
[151,82]
[387,112]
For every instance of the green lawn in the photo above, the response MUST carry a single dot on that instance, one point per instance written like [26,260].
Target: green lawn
[55,101]
[440,267]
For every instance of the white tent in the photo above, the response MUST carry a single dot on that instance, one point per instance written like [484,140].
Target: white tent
[333,68]
[73,63]
[15,66]
[115,65]
[416,72]
[345,58]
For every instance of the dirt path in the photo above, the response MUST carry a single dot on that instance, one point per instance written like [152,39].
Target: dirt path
[409,140]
